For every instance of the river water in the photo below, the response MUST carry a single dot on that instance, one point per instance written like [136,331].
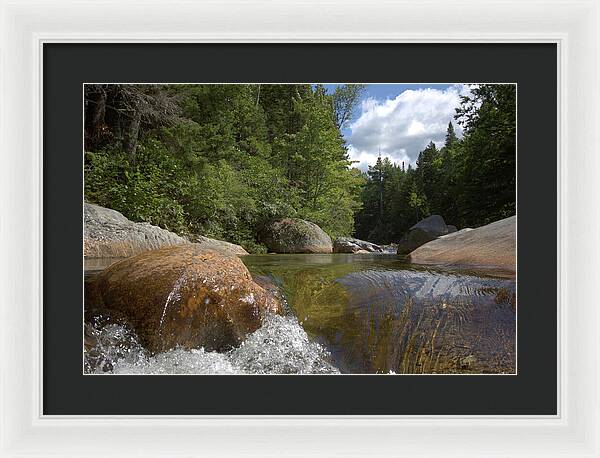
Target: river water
[349,314]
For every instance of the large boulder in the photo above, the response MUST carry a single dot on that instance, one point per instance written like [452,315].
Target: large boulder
[352,245]
[424,231]
[220,246]
[181,296]
[491,246]
[453,233]
[108,234]
[294,235]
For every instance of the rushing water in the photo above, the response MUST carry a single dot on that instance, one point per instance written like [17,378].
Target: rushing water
[280,346]
[351,314]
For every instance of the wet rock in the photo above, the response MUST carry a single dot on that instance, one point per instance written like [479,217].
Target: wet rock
[181,296]
[89,338]
[108,234]
[92,265]
[352,245]
[424,231]
[220,246]
[293,235]
[491,246]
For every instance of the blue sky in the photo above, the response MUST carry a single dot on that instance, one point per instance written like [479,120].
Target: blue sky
[400,119]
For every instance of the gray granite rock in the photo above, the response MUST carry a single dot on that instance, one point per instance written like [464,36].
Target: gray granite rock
[108,234]
[424,231]
[352,245]
[294,235]
[490,246]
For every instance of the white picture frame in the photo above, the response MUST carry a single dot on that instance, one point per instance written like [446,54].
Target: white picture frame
[573,25]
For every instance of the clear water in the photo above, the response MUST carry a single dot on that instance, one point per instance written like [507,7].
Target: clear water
[348,314]
[376,313]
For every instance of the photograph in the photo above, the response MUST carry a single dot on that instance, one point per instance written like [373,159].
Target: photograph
[299,229]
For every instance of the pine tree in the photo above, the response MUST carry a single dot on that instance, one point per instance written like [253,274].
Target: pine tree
[487,156]
[450,136]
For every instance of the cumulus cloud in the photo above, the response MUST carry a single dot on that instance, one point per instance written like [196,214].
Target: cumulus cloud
[403,126]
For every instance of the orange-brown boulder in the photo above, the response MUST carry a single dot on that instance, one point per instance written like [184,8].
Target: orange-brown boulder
[181,296]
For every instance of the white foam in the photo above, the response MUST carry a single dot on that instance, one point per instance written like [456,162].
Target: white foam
[280,346]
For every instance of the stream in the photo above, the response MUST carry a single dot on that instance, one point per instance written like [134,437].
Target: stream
[349,314]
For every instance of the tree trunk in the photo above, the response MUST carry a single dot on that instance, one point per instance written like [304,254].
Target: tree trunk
[131,135]
[95,121]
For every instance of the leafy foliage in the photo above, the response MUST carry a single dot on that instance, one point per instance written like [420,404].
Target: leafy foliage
[219,160]
[345,98]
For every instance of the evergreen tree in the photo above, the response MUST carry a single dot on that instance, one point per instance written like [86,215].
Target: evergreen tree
[469,181]
[487,158]
[450,136]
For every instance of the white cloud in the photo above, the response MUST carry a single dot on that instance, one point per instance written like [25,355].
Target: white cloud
[362,158]
[403,126]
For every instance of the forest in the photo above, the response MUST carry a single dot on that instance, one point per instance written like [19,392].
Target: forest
[224,160]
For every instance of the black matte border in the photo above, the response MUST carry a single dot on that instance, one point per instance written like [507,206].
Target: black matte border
[532,392]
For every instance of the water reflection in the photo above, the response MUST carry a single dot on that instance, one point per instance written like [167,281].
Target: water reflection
[376,313]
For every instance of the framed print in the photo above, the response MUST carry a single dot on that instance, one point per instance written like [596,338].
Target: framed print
[250,237]
[289,307]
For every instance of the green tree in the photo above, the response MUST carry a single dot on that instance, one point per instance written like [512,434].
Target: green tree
[219,160]
[487,157]
[345,99]
[451,137]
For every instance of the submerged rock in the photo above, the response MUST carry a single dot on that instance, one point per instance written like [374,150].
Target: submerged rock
[108,234]
[181,296]
[424,231]
[294,235]
[352,245]
[491,246]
